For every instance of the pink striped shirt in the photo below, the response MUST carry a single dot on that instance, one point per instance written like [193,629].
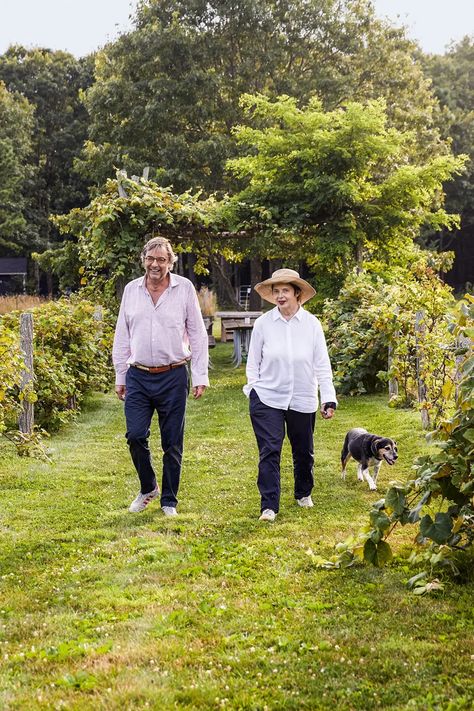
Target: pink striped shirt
[160,334]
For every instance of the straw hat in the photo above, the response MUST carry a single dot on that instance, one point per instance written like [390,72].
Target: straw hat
[284,276]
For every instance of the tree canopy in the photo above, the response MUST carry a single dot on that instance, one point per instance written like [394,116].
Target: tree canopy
[166,94]
[16,125]
[51,82]
[452,82]
[330,186]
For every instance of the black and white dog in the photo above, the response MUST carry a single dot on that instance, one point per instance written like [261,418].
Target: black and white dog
[367,449]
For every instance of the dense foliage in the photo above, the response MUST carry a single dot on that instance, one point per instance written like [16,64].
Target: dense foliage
[71,357]
[51,81]
[111,231]
[16,127]
[407,311]
[334,187]
[439,500]
[11,363]
[166,94]
[451,75]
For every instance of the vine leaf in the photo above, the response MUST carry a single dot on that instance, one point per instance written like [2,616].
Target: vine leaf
[396,499]
[414,513]
[438,530]
[377,553]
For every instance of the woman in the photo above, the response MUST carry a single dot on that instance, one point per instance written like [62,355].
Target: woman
[287,361]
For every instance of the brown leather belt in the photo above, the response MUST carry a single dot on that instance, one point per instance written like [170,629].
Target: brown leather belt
[159,368]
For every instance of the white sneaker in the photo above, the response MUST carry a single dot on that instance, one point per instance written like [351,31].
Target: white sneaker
[142,500]
[306,502]
[267,515]
[169,510]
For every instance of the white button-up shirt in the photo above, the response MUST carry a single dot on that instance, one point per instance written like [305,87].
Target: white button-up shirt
[288,360]
[162,333]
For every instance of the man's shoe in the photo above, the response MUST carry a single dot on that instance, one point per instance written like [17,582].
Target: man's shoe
[306,502]
[142,500]
[169,510]
[267,515]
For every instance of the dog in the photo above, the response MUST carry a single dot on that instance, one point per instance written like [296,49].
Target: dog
[367,449]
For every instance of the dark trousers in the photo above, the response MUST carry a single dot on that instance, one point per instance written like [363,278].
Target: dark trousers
[269,426]
[164,393]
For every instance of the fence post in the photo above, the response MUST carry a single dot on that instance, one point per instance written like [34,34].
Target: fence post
[421,386]
[27,418]
[463,344]
[393,382]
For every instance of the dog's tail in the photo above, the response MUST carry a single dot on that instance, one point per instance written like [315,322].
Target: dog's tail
[345,455]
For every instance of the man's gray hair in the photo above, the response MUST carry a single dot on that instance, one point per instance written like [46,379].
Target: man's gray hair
[154,242]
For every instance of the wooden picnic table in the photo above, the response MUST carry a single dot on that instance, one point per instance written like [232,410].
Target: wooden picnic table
[228,317]
[240,324]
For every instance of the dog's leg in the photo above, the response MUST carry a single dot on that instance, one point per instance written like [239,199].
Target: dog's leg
[360,476]
[376,471]
[344,460]
[369,480]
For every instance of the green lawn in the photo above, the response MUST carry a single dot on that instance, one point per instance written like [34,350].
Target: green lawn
[102,609]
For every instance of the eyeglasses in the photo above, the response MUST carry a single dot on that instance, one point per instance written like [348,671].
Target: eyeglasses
[159,260]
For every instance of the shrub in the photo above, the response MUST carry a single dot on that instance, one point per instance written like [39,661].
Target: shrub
[445,534]
[11,363]
[412,315]
[71,357]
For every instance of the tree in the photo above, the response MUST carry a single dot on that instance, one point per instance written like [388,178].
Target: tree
[451,75]
[166,94]
[16,124]
[330,187]
[52,82]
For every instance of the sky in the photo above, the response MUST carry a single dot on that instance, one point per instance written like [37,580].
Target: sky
[82,27]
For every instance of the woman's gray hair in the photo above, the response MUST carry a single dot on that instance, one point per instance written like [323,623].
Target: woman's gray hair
[154,242]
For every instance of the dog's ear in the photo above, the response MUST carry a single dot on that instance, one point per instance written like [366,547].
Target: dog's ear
[376,444]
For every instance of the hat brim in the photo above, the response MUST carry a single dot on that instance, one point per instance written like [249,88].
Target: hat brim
[264,288]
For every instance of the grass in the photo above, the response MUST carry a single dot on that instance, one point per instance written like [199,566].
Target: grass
[102,609]
[20,302]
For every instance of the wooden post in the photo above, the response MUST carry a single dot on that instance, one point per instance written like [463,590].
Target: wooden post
[464,345]
[27,418]
[422,392]
[393,382]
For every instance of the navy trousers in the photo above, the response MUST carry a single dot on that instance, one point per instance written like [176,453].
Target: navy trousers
[164,393]
[269,426]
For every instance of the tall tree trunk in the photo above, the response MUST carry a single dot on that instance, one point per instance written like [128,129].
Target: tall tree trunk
[191,261]
[255,301]
[225,289]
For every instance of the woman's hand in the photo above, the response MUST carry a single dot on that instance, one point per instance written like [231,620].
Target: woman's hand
[327,412]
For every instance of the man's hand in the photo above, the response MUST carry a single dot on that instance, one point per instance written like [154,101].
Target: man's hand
[327,413]
[198,390]
[120,390]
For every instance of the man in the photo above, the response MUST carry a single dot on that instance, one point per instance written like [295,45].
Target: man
[159,329]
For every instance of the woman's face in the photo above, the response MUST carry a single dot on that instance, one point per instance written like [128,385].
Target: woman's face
[285,297]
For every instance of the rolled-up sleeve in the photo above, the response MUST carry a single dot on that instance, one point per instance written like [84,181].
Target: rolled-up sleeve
[322,367]
[121,346]
[198,340]
[254,357]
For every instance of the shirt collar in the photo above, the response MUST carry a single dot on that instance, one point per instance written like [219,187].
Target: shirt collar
[173,280]
[277,315]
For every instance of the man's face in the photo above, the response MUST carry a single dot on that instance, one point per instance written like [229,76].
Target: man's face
[157,264]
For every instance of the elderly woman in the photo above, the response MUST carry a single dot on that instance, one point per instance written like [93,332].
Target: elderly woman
[287,361]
